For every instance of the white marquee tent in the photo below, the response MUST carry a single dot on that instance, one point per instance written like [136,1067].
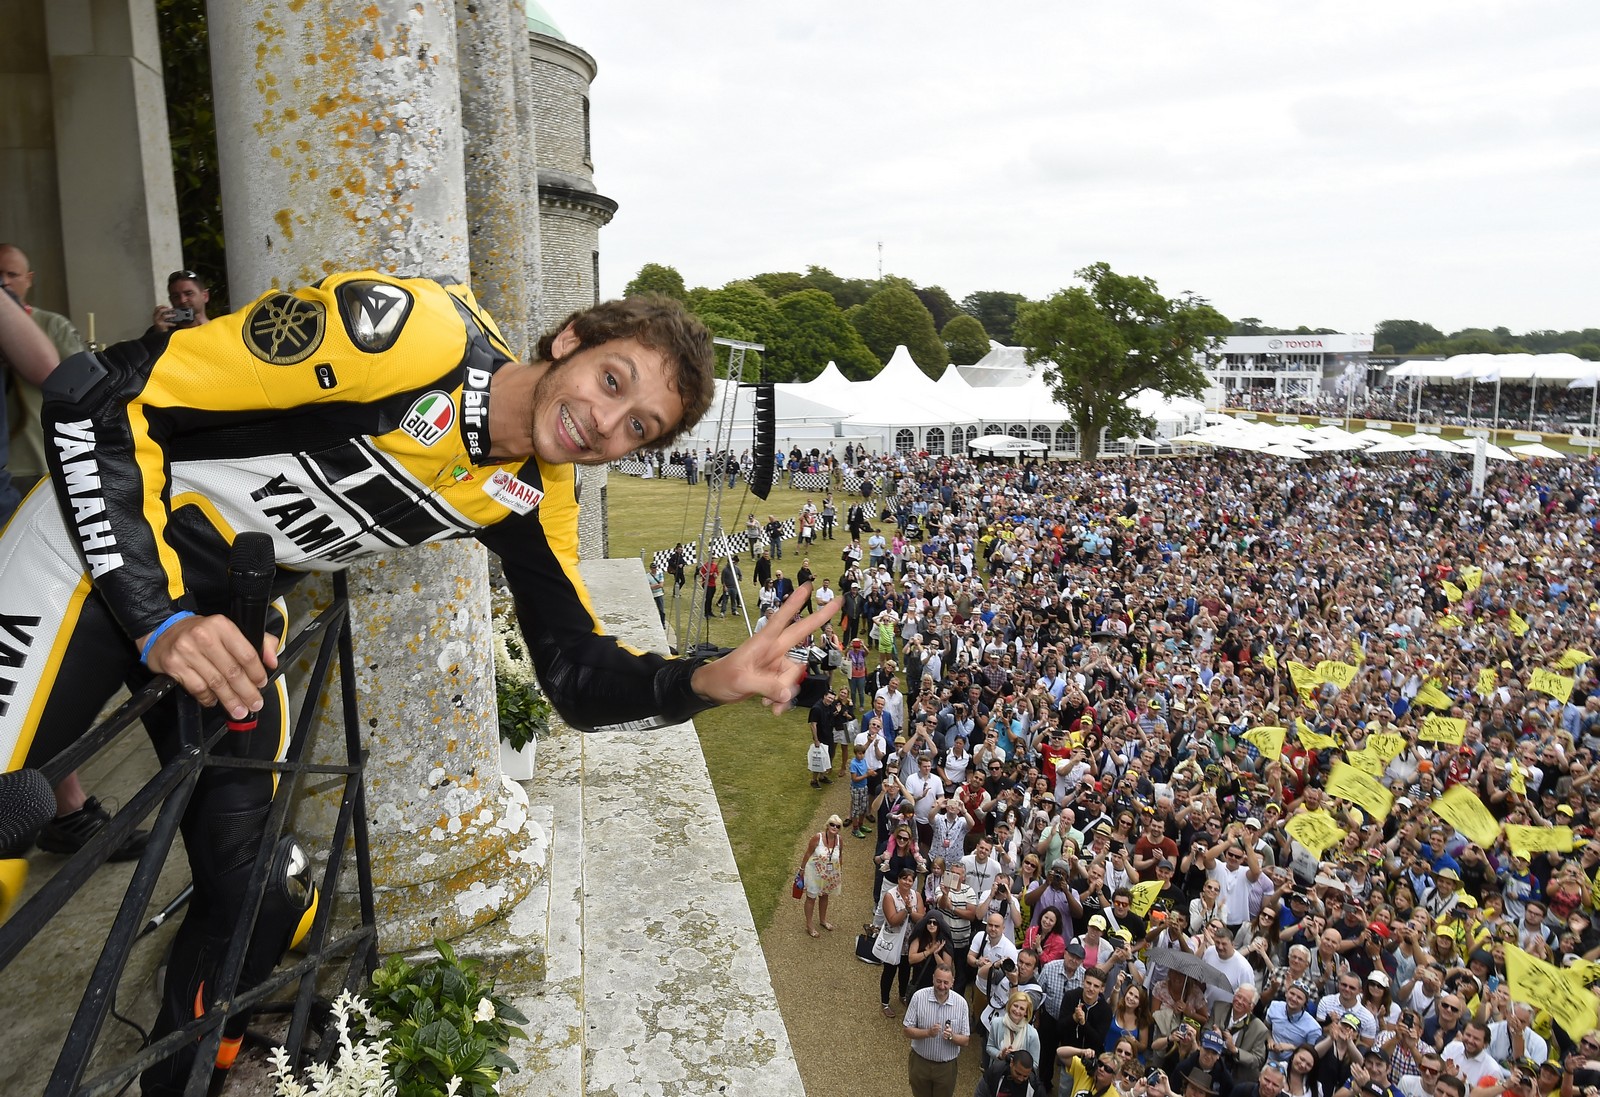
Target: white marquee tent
[904,409]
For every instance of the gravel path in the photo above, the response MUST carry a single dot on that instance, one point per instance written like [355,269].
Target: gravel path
[844,1046]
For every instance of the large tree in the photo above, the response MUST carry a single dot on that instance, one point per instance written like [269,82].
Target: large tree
[938,303]
[845,292]
[739,311]
[656,278]
[893,316]
[996,310]
[1404,335]
[776,284]
[1106,340]
[965,339]
[812,331]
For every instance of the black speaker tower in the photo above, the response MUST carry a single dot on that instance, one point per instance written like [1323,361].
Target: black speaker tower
[766,439]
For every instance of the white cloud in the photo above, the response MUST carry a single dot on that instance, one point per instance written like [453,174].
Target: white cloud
[1320,164]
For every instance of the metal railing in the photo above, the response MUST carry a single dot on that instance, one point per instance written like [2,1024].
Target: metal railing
[167,796]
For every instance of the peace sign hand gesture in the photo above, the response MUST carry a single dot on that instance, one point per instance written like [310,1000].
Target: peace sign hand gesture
[761,667]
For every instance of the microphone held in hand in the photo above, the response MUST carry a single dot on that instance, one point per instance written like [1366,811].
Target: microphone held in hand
[27,803]
[251,569]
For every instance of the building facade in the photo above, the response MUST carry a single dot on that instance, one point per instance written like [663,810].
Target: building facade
[1287,367]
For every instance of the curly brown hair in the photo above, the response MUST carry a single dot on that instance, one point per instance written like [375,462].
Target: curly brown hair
[660,323]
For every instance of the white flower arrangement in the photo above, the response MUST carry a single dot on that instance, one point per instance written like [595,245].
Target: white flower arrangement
[357,1071]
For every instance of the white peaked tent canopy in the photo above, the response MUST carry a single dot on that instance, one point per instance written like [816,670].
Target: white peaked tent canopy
[1004,444]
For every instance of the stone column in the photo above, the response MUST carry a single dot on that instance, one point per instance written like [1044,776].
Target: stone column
[502,222]
[113,166]
[339,128]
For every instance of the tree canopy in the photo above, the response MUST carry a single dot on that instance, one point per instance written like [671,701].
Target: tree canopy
[739,311]
[1111,337]
[893,316]
[996,310]
[965,339]
[657,278]
[812,331]
[1404,335]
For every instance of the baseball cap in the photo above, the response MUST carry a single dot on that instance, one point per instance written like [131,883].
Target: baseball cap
[1379,977]
[1352,1020]
[1098,921]
[1211,1040]
[1075,950]
[1380,930]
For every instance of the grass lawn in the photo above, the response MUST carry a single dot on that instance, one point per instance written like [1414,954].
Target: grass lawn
[757,761]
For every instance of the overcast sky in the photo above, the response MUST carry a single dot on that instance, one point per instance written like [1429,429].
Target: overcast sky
[1325,164]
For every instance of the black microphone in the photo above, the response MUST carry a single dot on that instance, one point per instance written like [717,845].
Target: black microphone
[27,803]
[251,569]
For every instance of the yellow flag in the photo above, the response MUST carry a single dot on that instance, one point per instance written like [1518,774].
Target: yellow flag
[1315,830]
[1386,744]
[1524,840]
[1488,681]
[1575,657]
[1472,577]
[1450,621]
[1442,729]
[1268,740]
[1269,658]
[1313,740]
[1463,810]
[1304,679]
[1556,685]
[1516,624]
[1594,891]
[1519,778]
[1355,646]
[1366,760]
[1145,896]
[1543,985]
[1340,674]
[1434,697]
[1452,592]
[1349,783]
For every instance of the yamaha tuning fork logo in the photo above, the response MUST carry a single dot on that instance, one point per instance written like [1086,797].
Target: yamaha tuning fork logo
[284,330]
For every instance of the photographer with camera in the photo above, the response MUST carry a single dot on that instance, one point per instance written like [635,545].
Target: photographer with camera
[187,297]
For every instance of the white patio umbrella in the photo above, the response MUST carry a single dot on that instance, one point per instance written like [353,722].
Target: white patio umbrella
[1536,449]
[1372,434]
[1282,450]
[1337,445]
[1391,445]
[1432,443]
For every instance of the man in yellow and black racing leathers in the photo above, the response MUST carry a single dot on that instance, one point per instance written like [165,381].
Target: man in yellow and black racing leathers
[346,420]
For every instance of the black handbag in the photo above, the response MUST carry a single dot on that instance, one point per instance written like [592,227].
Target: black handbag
[864,943]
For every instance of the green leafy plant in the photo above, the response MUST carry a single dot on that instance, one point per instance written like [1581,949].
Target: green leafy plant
[447,1030]
[524,710]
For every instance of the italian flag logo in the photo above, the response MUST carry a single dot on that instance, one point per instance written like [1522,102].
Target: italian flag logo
[430,417]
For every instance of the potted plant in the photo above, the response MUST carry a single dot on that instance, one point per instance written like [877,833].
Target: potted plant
[523,708]
[447,1031]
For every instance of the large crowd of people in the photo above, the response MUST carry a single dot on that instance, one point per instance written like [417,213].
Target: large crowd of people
[1222,776]
[1554,407]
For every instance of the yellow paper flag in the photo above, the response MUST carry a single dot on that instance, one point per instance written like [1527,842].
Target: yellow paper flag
[1313,740]
[1545,986]
[1452,592]
[1575,657]
[1449,621]
[1145,896]
[1524,840]
[1355,646]
[1268,740]
[1463,810]
[1269,659]
[1556,685]
[1442,729]
[1472,577]
[1488,681]
[1349,783]
[1340,674]
[1304,679]
[1519,778]
[1516,624]
[1386,744]
[1315,830]
[1366,760]
[1434,697]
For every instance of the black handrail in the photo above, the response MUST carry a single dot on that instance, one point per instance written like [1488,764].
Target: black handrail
[167,795]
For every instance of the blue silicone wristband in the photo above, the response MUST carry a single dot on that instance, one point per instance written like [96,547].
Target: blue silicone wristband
[144,654]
